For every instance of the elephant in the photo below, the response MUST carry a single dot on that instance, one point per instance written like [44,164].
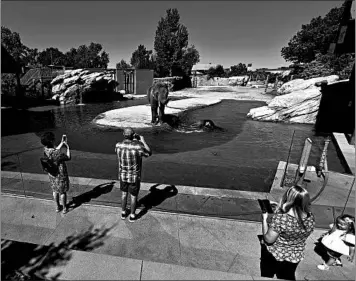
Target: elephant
[157,96]
[204,124]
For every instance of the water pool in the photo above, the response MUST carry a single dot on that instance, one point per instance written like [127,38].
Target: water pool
[243,156]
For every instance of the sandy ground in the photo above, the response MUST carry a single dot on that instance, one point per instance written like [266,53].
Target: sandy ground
[140,116]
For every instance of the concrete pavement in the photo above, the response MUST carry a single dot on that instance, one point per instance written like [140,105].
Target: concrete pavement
[94,243]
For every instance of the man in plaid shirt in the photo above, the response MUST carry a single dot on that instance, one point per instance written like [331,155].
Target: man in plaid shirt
[129,153]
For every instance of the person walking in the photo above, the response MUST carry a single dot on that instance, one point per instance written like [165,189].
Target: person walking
[130,153]
[57,168]
[284,238]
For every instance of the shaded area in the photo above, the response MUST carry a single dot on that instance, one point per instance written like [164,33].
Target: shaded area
[155,198]
[26,261]
[88,196]
[337,107]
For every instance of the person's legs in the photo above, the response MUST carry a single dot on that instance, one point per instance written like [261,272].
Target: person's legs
[334,259]
[134,190]
[133,204]
[64,202]
[123,188]
[286,270]
[268,263]
[56,199]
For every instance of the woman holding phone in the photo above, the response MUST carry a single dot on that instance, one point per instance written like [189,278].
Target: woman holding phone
[58,178]
[284,238]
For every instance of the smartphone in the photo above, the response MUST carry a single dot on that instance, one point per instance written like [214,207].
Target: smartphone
[265,206]
[64,138]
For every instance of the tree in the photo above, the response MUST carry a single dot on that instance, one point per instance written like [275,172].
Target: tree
[32,58]
[190,57]
[51,56]
[238,69]
[12,43]
[70,57]
[122,65]
[140,58]
[90,56]
[217,71]
[313,38]
[325,65]
[170,42]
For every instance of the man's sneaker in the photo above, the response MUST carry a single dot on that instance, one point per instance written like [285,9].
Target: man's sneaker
[337,263]
[124,215]
[323,267]
[132,218]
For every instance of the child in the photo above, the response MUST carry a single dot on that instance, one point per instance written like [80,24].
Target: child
[340,240]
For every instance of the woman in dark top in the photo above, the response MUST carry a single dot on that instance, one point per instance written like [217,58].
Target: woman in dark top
[59,182]
[285,236]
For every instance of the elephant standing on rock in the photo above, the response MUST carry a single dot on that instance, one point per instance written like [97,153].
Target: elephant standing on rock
[157,96]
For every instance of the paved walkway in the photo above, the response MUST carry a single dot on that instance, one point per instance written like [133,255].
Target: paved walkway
[92,242]
[232,204]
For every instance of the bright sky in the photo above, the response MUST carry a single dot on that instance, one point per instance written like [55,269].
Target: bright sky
[224,32]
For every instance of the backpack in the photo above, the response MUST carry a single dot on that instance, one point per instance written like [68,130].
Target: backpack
[49,166]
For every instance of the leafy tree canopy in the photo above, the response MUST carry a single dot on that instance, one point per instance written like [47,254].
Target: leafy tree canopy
[141,58]
[123,64]
[173,57]
[239,69]
[314,38]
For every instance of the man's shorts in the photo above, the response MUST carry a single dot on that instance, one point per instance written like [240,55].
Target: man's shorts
[132,188]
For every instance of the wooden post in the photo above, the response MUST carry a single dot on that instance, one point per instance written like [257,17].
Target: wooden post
[267,83]
[322,162]
[276,83]
[303,163]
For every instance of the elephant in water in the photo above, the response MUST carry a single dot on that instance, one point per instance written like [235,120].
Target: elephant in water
[157,96]
[205,124]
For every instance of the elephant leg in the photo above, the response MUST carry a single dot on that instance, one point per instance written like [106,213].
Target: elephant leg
[161,112]
[154,108]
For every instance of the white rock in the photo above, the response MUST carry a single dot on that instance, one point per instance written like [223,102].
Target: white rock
[56,89]
[300,84]
[296,107]
[72,90]
[293,98]
[55,97]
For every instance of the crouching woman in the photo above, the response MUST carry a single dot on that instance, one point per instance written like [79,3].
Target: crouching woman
[285,237]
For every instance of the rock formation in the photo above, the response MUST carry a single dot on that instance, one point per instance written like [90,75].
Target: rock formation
[78,84]
[298,103]
[202,80]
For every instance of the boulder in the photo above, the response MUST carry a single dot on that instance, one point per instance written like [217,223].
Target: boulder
[296,107]
[300,84]
[68,86]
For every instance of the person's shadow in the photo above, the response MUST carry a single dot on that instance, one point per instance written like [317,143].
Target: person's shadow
[88,196]
[155,198]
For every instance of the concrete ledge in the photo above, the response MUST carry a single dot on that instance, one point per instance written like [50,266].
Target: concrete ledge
[190,190]
[347,151]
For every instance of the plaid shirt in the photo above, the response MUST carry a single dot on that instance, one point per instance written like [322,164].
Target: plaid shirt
[130,160]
